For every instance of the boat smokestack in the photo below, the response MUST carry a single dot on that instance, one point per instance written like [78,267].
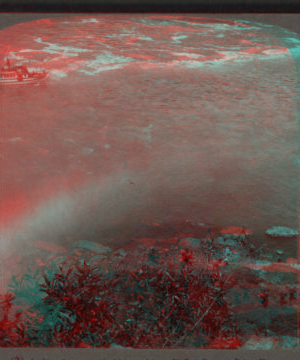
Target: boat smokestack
[7,64]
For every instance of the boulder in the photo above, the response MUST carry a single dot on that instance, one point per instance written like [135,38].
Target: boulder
[92,246]
[225,240]
[49,246]
[281,231]
[236,231]
[286,342]
[259,343]
[192,242]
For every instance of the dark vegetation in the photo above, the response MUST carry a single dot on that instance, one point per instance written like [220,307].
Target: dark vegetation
[151,298]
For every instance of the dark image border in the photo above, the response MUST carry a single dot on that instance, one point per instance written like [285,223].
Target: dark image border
[236,6]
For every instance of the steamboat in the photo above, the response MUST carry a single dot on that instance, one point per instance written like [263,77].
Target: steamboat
[17,75]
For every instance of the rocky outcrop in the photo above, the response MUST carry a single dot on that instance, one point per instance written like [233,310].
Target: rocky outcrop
[281,231]
[92,246]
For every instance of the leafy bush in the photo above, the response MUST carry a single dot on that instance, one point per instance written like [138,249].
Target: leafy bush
[161,302]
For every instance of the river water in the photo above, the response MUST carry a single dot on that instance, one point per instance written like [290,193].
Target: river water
[108,156]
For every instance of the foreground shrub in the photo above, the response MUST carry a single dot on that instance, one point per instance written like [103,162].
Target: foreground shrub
[162,300]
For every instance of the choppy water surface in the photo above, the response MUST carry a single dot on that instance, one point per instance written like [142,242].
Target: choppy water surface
[147,120]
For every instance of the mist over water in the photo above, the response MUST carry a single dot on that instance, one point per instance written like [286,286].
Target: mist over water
[110,146]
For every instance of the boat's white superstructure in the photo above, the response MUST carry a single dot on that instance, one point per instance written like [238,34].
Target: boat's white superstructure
[17,75]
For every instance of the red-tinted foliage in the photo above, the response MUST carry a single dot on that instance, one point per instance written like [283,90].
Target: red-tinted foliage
[162,300]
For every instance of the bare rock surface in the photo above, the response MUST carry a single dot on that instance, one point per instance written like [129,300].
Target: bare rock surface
[259,343]
[281,231]
[225,240]
[49,246]
[286,342]
[92,246]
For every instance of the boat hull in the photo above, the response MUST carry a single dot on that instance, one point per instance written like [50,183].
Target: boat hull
[25,81]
